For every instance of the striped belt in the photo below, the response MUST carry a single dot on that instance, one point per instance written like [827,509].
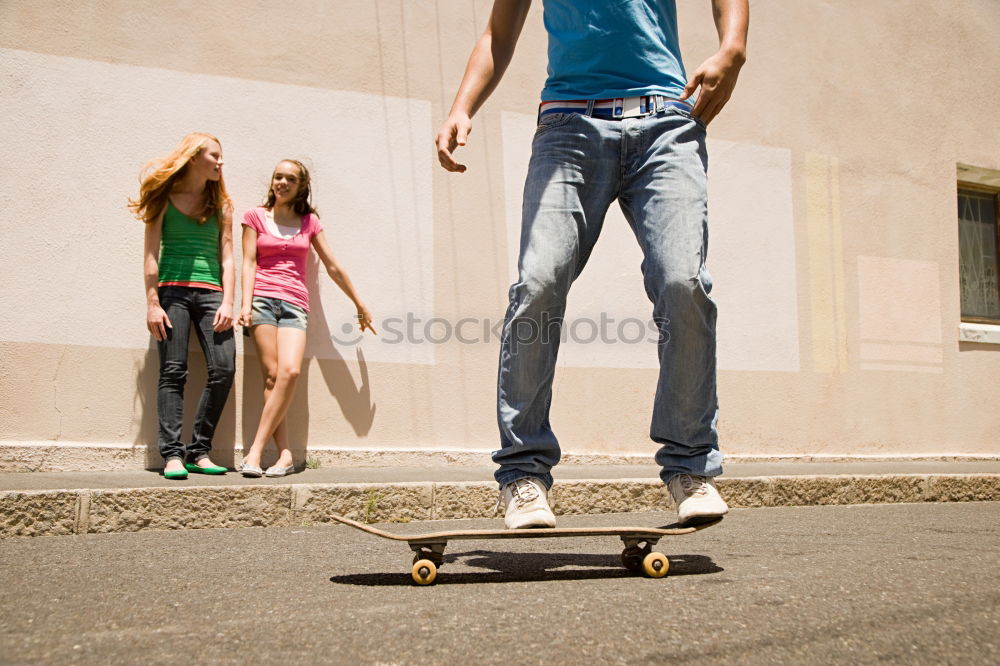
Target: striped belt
[613,109]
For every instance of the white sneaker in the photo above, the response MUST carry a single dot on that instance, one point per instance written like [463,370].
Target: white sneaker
[527,504]
[697,499]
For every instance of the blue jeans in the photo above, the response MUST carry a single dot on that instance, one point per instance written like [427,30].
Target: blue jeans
[187,306]
[656,167]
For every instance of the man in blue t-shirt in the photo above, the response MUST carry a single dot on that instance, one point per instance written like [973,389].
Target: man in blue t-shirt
[615,122]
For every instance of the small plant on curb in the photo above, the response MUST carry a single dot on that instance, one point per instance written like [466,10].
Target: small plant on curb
[312,462]
[373,498]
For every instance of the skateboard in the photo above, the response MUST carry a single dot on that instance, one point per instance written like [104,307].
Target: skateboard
[638,554]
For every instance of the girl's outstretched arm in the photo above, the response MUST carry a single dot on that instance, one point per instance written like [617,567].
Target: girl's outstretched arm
[339,275]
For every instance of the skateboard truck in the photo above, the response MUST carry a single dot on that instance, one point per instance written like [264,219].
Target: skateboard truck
[640,556]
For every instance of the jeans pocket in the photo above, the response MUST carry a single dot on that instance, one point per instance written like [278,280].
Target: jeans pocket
[687,114]
[260,311]
[552,120]
[170,294]
[212,297]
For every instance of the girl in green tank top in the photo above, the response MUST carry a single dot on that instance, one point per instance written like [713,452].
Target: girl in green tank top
[189,251]
[189,278]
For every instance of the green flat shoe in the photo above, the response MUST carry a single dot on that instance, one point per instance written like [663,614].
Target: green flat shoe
[176,474]
[197,469]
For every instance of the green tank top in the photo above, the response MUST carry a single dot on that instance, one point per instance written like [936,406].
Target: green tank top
[189,252]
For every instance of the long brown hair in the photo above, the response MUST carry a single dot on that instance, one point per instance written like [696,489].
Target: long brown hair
[303,199]
[159,175]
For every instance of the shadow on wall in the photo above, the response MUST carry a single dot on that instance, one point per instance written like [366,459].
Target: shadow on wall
[965,346]
[146,380]
[354,399]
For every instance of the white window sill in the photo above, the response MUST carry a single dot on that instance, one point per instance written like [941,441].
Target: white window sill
[983,333]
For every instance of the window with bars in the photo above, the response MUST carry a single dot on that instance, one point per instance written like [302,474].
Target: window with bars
[979,259]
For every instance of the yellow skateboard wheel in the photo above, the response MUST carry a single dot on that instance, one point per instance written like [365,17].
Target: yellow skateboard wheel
[423,572]
[655,565]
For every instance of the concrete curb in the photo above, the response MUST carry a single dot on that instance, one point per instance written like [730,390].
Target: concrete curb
[65,512]
[63,456]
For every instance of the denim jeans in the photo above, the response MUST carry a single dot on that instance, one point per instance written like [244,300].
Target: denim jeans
[656,167]
[277,312]
[187,306]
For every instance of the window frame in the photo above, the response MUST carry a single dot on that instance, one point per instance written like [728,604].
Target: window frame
[981,188]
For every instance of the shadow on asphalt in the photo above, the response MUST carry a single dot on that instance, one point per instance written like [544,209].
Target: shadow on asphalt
[526,567]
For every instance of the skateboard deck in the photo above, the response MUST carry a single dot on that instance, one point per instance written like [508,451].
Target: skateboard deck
[638,554]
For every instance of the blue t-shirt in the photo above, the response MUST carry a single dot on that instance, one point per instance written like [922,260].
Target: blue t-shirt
[600,49]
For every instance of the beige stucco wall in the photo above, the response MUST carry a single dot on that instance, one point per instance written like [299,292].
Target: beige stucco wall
[834,238]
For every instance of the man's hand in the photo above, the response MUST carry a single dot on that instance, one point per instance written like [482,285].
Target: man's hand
[717,75]
[717,79]
[454,133]
[486,66]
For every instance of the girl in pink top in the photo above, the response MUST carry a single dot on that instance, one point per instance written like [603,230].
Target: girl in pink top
[276,242]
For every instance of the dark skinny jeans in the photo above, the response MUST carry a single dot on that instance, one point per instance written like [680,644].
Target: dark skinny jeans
[186,306]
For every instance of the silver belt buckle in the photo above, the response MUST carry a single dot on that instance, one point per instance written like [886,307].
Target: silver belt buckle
[632,107]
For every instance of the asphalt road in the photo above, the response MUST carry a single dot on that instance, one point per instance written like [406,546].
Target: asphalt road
[908,584]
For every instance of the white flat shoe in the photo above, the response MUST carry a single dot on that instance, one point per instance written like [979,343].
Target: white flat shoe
[250,471]
[274,470]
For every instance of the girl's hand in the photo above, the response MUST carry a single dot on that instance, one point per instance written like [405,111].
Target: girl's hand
[245,316]
[365,319]
[223,320]
[157,322]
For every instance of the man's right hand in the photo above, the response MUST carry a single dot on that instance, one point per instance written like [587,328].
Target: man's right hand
[157,322]
[454,133]
[487,64]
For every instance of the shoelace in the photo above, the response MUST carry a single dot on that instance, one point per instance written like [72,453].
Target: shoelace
[693,485]
[523,492]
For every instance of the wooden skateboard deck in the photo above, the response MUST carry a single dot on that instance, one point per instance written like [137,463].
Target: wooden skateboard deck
[638,554]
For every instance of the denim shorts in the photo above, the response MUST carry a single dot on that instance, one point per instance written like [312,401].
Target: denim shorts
[276,312]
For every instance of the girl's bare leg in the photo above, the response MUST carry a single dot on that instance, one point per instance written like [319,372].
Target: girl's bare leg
[281,351]
[266,339]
